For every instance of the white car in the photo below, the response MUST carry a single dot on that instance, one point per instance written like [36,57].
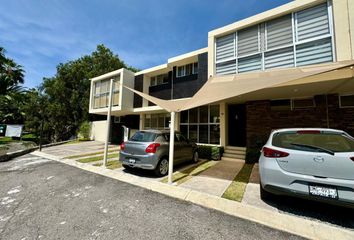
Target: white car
[311,163]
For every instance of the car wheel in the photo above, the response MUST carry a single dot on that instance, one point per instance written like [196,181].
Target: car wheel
[195,158]
[162,168]
[264,194]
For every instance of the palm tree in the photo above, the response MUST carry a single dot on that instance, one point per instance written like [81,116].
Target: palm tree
[11,93]
[11,74]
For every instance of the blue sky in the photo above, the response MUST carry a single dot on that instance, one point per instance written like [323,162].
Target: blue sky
[41,34]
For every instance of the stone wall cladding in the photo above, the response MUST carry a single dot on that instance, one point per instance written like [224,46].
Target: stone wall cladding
[261,119]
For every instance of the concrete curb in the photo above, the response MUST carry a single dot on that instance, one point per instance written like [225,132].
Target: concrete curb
[288,223]
[11,155]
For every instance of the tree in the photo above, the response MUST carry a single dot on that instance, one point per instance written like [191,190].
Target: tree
[68,92]
[11,93]
[11,74]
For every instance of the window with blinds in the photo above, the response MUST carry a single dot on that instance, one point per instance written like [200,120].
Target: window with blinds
[312,22]
[279,58]
[101,93]
[248,41]
[225,47]
[279,32]
[296,39]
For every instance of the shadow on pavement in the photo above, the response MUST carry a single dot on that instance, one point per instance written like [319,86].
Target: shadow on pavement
[340,216]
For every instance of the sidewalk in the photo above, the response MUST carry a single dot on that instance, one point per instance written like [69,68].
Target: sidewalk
[216,179]
[71,149]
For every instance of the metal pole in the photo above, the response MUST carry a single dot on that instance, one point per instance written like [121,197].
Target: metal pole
[108,128]
[41,135]
[172,148]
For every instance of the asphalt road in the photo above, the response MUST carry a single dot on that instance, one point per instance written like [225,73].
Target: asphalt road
[44,199]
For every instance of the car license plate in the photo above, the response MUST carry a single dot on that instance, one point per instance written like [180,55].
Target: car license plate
[323,191]
[130,160]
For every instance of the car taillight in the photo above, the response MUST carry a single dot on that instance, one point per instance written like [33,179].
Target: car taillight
[308,132]
[122,146]
[152,148]
[272,153]
[352,158]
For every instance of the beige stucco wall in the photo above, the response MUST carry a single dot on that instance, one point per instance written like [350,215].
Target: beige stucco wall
[223,124]
[98,130]
[351,22]
[342,29]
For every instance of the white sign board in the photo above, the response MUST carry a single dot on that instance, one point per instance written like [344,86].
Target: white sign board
[13,130]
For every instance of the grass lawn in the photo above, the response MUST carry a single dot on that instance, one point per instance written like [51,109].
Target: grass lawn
[97,158]
[90,154]
[4,140]
[180,177]
[238,186]
[110,165]
[78,141]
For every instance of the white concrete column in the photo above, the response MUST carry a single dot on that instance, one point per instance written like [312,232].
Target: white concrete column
[223,124]
[108,124]
[177,121]
[172,148]
[141,121]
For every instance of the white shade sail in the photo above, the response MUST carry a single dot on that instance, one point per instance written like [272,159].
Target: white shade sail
[219,88]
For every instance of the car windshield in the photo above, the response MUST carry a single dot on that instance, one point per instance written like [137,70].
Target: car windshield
[314,142]
[142,136]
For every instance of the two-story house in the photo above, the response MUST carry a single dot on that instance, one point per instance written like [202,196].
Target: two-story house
[294,36]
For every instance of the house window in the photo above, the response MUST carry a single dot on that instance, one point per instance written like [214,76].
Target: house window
[157,121]
[159,80]
[346,101]
[201,124]
[181,71]
[281,104]
[297,39]
[101,93]
[303,103]
[187,70]
[195,68]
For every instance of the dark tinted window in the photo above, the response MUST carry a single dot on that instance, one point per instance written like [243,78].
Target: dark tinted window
[330,141]
[282,104]
[142,136]
[347,101]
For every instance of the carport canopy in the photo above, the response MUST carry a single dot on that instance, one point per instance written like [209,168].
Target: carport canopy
[224,87]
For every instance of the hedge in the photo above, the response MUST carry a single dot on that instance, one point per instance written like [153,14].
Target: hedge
[210,152]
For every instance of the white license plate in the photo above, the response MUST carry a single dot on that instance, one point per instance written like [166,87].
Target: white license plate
[131,160]
[323,191]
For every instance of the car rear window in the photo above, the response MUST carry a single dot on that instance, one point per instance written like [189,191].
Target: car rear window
[334,142]
[143,137]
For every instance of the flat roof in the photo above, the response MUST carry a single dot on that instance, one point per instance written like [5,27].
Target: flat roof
[292,6]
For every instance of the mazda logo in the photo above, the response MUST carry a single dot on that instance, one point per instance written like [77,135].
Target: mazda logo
[318,159]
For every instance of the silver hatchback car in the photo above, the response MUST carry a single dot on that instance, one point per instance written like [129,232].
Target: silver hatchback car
[311,163]
[149,149]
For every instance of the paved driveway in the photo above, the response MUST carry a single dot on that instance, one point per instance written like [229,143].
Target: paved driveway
[70,149]
[43,199]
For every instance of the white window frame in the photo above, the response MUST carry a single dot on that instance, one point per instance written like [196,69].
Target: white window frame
[294,44]
[183,71]
[302,98]
[155,79]
[340,100]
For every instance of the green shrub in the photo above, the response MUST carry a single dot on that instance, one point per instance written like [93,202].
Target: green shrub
[210,152]
[84,131]
[252,155]
[29,137]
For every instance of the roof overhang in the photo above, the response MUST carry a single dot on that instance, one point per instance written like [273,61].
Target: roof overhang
[282,10]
